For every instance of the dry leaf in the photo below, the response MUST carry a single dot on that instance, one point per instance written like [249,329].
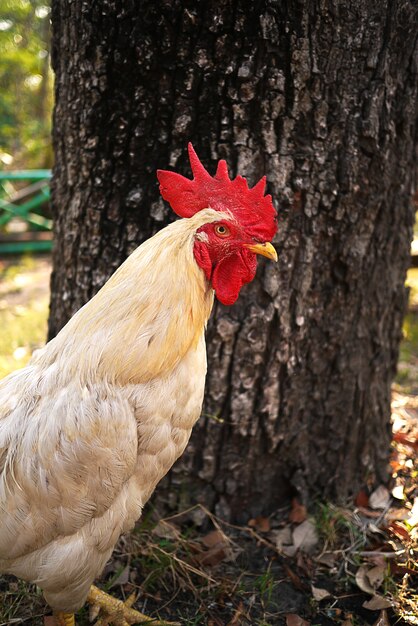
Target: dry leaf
[377,603]
[262,524]
[164,530]
[400,531]
[295,620]
[289,551]
[398,493]
[380,498]
[369,512]
[362,580]
[305,536]
[376,575]
[382,620]
[398,514]
[370,579]
[413,518]
[123,577]
[376,559]
[214,538]
[362,499]
[49,620]
[405,440]
[319,594]
[326,558]
[297,514]
[212,557]
[283,537]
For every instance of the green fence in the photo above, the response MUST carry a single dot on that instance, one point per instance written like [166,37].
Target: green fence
[24,198]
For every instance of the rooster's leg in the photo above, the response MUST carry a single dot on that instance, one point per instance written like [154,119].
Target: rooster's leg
[119,613]
[64,619]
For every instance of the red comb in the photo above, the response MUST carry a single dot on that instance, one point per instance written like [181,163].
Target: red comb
[250,206]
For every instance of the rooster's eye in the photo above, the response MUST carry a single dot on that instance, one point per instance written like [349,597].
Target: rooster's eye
[222,231]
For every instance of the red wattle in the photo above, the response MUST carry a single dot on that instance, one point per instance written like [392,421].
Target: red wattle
[231,273]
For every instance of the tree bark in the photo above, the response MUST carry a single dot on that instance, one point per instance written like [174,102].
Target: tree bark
[319,95]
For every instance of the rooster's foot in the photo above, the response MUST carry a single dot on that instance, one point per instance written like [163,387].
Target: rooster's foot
[64,619]
[118,613]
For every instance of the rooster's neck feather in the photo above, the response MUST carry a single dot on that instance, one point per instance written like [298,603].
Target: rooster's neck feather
[146,317]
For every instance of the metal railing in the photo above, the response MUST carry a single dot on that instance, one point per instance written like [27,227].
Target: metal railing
[24,227]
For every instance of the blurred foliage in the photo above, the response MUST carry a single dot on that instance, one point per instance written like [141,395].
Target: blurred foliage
[407,376]
[25,84]
[23,310]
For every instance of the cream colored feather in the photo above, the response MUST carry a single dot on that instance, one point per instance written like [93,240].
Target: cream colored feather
[100,414]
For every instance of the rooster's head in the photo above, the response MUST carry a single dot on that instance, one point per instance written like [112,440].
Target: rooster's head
[226,249]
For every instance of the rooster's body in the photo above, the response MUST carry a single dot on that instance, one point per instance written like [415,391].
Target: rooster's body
[102,412]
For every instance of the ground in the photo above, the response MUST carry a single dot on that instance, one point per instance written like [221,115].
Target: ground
[350,566]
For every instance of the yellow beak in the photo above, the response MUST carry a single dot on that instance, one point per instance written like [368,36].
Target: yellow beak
[266,249]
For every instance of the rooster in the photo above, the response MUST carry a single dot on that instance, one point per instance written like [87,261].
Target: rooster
[103,411]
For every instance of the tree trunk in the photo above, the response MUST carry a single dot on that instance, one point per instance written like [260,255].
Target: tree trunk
[321,97]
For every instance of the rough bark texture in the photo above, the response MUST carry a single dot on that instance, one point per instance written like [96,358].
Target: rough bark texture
[320,96]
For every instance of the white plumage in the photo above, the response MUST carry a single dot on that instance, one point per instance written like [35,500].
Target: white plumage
[100,414]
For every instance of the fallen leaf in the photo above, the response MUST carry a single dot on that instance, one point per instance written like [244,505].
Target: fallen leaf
[49,620]
[164,530]
[376,559]
[413,518]
[362,499]
[377,603]
[396,465]
[326,558]
[380,498]
[400,531]
[382,620]
[298,513]
[262,524]
[319,594]
[295,620]
[398,514]
[214,538]
[369,512]
[289,551]
[398,493]
[376,575]
[123,577]
[370,579]
[212,557]
[362,580]
[405,440]
[283,537]
[305,536]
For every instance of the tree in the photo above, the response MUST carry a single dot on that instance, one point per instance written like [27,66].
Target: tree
[25,84]
[319,96]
